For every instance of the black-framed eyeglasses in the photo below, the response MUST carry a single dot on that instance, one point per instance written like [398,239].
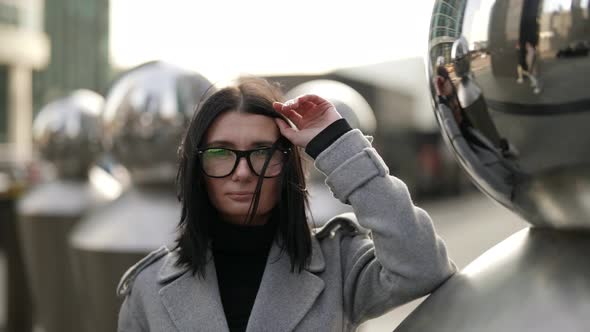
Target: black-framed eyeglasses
[218,162]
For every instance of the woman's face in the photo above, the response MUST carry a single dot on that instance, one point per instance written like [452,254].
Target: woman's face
[233,194]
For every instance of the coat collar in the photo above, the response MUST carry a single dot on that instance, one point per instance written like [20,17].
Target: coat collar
[317,263]
[284,297]
[282,301]
[169,270]
[191,300]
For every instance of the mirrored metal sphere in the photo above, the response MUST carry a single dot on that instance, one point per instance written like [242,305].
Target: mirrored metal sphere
[67,132]
[509,81]
[146,112]
[349,103]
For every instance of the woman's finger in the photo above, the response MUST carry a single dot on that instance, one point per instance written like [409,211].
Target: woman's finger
[277,106]
[293,116]
[306,107]
[312,99]
[303,108]
[285,129]
[282,124]
[284,107]
[290,104]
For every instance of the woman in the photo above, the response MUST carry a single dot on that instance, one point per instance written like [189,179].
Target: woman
[245,258]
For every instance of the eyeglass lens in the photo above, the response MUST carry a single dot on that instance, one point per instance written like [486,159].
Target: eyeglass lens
[219,162]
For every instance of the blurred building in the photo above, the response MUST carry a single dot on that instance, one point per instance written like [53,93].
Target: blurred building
[46,52]
[446,26]
[79,33]
[24,47]
[562,25]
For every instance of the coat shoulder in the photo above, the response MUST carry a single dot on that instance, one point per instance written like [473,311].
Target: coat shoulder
[126,282]
[345,223]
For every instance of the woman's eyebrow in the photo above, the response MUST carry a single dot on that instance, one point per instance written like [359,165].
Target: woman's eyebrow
[224,143]
[220,143]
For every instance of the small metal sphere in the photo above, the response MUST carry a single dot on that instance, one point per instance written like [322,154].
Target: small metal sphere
[509,85]
[146,112]
[67,132]
[349,103]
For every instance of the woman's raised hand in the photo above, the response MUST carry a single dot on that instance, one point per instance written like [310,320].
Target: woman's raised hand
[309,113]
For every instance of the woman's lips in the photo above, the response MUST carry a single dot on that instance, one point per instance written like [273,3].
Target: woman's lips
[240,196]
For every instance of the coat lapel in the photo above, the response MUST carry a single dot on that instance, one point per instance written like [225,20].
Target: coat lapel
[284,297]
[193,303]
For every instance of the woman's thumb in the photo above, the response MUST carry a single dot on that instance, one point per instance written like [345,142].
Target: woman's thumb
[285,129]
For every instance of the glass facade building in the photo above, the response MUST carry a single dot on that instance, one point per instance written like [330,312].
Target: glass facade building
[79,33]
[24,48]
[445,26]
[3,103]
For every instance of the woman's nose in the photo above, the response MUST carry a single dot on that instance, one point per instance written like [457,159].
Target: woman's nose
[242,170]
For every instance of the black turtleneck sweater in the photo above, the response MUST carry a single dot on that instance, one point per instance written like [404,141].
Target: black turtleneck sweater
[240,251]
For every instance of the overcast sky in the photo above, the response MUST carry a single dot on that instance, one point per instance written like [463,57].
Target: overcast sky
[221,38]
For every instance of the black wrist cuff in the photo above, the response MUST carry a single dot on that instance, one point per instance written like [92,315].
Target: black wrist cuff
[326,137]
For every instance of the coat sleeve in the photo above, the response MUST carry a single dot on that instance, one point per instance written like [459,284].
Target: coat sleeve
[128,317]
[405,259]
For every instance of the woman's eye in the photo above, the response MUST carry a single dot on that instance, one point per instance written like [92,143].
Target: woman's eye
[260,153]
[217,153]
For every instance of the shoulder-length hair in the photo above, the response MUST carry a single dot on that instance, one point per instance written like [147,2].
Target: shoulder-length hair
[253,96]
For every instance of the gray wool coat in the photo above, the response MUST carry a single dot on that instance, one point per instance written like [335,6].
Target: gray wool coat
[364,264]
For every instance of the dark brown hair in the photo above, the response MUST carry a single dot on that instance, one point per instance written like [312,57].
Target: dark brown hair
[253,96]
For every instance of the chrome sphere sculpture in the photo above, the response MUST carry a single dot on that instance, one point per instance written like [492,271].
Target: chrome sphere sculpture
[508,82]
[67,132]
[67,135]
[146,112]
[509,87]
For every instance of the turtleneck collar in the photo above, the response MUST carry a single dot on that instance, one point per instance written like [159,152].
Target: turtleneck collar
[243,239]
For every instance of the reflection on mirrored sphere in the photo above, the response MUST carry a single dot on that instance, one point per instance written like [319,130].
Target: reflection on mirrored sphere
[146,112]
[510,83]
[67,132]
